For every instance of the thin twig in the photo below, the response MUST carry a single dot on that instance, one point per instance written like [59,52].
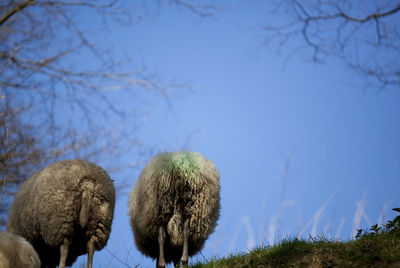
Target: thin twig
[15,10]
[7,153]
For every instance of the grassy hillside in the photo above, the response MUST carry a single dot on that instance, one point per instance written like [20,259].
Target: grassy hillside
[376,248]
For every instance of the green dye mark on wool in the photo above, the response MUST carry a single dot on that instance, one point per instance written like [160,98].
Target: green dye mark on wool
[185,164]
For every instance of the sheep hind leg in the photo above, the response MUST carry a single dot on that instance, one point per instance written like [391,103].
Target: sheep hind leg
[90,249]
[161,241]
[63,253]
[185,254]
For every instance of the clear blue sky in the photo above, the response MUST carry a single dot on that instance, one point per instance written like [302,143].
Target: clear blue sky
[248,112]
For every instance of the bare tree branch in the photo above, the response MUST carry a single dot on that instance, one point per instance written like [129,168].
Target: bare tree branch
[364,35]
[15,9]
[374,16]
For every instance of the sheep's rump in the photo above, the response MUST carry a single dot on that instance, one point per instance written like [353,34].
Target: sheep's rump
[15,251]
[47,207]
[171,188]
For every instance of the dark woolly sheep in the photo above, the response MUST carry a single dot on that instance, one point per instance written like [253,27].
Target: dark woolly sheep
[174,206]
[16,252]
[64,211]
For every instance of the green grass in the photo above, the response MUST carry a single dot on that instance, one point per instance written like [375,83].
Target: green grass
[378,248]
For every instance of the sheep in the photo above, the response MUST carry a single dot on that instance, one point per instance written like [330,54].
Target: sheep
[174,206]
[15,251]
[65,210]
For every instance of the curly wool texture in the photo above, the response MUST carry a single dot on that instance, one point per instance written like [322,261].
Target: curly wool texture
[171,188]
[50,207]
[15,251]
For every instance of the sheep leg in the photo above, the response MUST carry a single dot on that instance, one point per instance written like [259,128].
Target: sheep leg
[63,253]
[90,249]
[185,254]
[161,241]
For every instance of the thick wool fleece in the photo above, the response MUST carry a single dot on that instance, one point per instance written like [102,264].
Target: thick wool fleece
[51,206]
[16,252]
[174,187]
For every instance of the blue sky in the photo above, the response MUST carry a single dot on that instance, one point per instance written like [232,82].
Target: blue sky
[250,112]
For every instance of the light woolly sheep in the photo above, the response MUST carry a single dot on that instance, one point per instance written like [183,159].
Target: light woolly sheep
[65,210]
[16,252]
[174,206]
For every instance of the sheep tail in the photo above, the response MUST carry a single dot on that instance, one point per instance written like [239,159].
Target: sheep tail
[175,227]
[86,203]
